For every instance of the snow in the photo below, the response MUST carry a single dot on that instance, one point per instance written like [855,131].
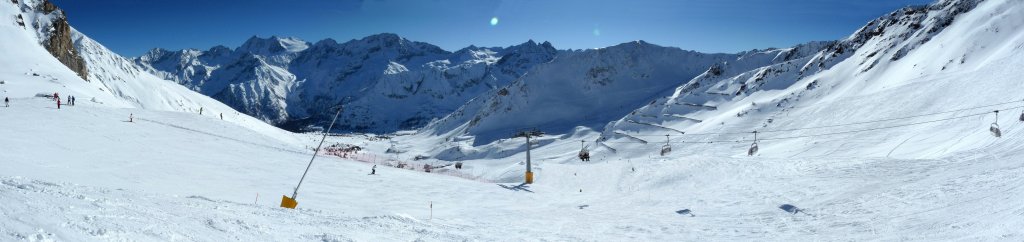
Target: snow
[58,212]
[92,176]
[834,146]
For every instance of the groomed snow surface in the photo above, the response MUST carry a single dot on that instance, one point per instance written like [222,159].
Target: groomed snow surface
[84,173]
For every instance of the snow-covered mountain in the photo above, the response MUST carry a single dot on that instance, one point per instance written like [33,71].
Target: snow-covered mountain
[229,75]
[386,82]
[649,91]
[872,59]
[389,83]
[43,55]
[592,87]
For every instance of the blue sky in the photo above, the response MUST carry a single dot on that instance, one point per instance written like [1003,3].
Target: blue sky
[132,27]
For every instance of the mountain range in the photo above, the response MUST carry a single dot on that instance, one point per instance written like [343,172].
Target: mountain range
[387,83]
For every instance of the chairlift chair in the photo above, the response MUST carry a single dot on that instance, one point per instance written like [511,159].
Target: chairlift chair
[584,154]
[753,147]
[994,128]
[666,149]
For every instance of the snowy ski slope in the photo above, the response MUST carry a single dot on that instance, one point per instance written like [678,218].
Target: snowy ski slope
[901,151]
[82,173]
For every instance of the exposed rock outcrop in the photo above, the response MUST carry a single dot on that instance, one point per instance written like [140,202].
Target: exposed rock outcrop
[59,42]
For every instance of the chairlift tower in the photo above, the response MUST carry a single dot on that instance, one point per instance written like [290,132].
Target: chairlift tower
[528,134]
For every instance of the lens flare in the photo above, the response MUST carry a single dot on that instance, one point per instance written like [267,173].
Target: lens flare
[494,21]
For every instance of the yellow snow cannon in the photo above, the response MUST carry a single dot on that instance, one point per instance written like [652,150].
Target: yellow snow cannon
[287,202]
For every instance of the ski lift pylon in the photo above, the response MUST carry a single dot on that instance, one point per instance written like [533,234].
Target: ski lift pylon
[994,128]
[753,147]
[666,149]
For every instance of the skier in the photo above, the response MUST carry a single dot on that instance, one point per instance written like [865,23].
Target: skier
[73,100]
[221,116]
[56,96]
[373,171]
[69,100]
[58,103]
[7,102]
[200,110]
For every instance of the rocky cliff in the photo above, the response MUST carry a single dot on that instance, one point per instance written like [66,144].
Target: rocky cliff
[58,38]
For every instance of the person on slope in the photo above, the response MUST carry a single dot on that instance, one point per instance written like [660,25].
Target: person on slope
[7,102]
[56,96]
[69,100]
[73,100]
[58,103]
[373,171]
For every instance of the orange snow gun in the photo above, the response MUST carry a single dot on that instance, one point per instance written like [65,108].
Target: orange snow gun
[287,202]
[290,202]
